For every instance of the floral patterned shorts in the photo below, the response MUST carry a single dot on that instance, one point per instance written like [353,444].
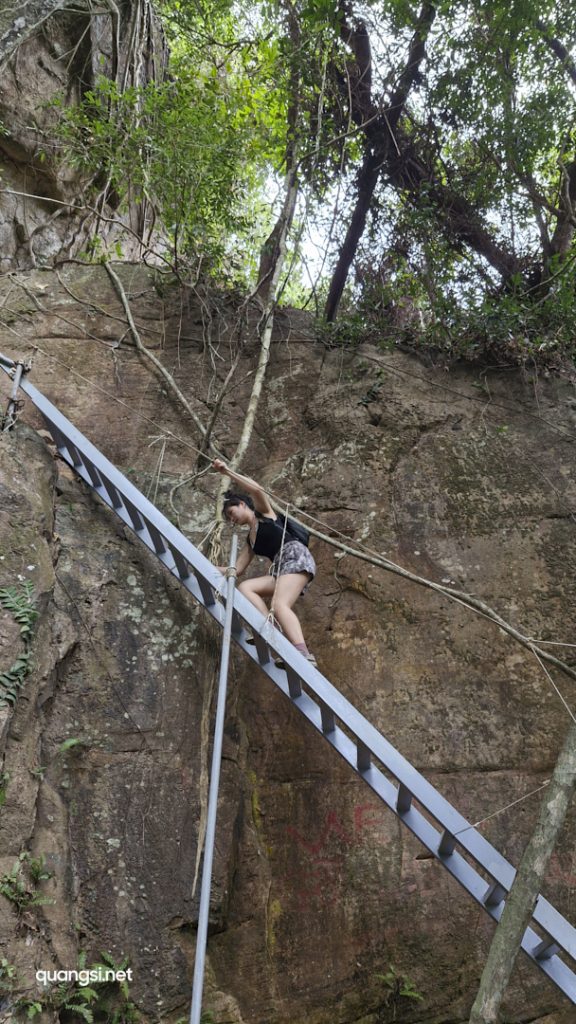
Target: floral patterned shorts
[294,557]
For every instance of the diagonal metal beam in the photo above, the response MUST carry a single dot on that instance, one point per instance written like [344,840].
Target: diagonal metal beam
[485,874]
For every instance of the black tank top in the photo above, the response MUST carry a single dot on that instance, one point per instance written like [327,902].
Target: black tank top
[268,538]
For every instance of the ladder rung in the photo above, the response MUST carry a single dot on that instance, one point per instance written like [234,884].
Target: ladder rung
[63,442]
[207,590]
[182,566]
[136,518]
[328,719]
[74,453]
[262,649]
[113,494]
[294,682]
[59,437]
[156,536]
[363,757]
[167,559]
[403,799]
[545,949]
[447,844]
[494,894]
[93,472]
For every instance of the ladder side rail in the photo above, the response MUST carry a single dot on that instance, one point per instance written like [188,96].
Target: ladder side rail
[382,751]
[451,820]
[458,867]
[168,531]
[555,925]
[466,836]
[6,363]
[386,791]
[454,823]
[127,514]
[423,791]
[191,581]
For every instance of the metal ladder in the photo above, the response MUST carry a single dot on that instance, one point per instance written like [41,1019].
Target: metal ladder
[445,833]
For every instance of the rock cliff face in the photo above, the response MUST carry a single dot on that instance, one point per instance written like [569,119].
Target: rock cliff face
[317,891]
[54,50]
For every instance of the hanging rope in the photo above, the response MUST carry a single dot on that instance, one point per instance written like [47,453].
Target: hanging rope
[506,807]
[271,616]
[553,684]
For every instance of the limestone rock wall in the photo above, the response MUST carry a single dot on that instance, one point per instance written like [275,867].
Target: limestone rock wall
[318,892]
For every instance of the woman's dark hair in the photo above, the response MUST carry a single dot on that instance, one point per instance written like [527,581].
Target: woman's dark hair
[234,498]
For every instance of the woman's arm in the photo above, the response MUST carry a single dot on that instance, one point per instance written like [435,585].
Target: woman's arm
[243,561]
[259,496]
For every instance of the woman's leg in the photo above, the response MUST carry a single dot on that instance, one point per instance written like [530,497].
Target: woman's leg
[256,590]
[288,590]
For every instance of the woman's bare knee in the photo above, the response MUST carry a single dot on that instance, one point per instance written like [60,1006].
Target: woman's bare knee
[262,586]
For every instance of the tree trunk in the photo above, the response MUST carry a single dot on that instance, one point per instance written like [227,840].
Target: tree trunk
[527,884]
[379,130]
[280,232]
[564,231]
[367,180]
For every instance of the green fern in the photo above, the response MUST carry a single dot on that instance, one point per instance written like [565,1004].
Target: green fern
[398,986]
[108,1002]
[18,889]
[19,602]
[80,1008]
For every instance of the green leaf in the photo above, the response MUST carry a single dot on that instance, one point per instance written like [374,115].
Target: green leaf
[70,743]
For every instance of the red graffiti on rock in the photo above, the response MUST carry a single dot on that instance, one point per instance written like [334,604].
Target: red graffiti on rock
[327,856]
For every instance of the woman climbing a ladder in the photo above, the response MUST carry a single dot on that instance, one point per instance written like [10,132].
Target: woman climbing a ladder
[292,568]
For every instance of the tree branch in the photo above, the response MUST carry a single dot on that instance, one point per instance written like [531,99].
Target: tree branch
[119,288]
[411,70]
[359,80]
[365,185]
[558,49]
[381,145]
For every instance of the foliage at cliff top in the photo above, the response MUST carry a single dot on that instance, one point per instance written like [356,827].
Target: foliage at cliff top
[435,147]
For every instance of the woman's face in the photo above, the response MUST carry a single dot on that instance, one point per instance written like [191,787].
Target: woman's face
[240,515]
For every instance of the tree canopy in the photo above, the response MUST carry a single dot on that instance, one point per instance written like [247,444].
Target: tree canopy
[433,148]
